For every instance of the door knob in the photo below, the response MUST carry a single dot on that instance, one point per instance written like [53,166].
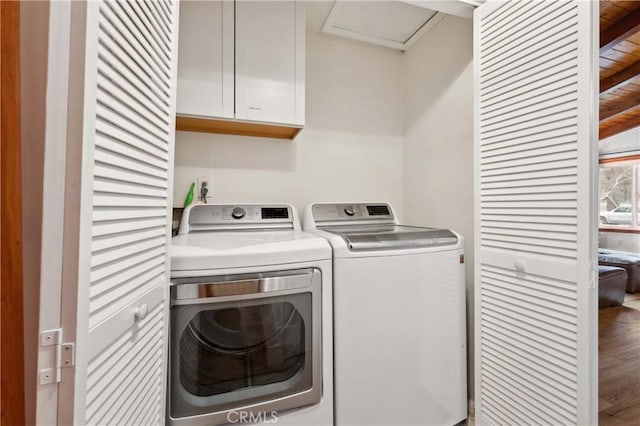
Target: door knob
[141,312]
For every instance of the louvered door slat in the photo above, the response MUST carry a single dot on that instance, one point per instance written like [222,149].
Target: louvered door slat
[165,8]
[525,86]
[534,408]
[102,306]
[529,190]
[535,73]
[536,24]
[118,24]
[157,20]
[111,286]
[538,141]
[124,99]
[118,54]
[128,133]
[113,213]
[517,152]
[115,173]
[125,378]
[534,358]
[528,58]
[544,61]
[116,162]
[157,37]
[112,111]
[533,96]
[118,229]
[504,15]
[122,145]
[511,115]
[128,72]
[106,258]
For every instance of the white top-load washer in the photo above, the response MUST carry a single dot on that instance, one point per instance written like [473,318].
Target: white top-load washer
[399,317]
[251,319]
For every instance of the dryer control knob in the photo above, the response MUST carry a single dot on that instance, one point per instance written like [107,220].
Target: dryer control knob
[238,213]
[349,211]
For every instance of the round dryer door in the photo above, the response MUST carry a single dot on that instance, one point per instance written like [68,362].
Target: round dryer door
[252,342]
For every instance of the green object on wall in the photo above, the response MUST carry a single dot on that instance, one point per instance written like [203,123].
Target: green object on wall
[189,198]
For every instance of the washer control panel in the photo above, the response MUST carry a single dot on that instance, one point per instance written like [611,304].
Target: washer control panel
[347,212]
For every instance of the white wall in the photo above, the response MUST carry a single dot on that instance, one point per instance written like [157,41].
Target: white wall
[619,241]
[438,146]
[350,149]
[625,143]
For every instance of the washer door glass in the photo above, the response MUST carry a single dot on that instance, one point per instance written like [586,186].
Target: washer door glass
[238,353]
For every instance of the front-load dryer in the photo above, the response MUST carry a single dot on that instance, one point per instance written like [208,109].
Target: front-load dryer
[250,319]
[399,317]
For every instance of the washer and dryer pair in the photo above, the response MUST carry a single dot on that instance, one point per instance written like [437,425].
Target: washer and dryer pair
[358,321]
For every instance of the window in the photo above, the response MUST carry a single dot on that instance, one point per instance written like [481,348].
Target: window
[620,195]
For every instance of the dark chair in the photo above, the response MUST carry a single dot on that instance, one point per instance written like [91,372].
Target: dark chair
[611,285]
[629,261]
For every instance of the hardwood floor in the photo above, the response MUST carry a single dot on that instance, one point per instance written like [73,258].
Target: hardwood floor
[619,363]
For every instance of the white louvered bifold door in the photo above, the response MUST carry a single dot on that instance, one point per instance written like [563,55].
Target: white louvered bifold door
[128,98]
[535,169]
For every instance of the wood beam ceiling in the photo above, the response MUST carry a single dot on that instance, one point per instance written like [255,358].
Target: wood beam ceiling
[621,106]
[606,132]
[621,30]
[619,53]
[620,78]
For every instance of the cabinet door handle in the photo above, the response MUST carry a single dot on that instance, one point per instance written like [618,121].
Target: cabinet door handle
[141,312]
[519,265]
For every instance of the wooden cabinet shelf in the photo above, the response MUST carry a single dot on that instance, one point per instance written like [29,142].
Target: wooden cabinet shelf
[235,127]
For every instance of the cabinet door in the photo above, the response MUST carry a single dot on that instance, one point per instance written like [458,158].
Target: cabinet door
[205,59]
[536,88]
[270,43]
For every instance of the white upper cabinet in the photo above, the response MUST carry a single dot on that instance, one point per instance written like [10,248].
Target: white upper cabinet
[270,42]
[242,62]
[205,59]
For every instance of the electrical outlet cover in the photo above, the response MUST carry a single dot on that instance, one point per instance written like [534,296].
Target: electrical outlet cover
[199,181]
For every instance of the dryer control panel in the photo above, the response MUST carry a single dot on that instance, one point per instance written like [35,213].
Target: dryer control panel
[212,217]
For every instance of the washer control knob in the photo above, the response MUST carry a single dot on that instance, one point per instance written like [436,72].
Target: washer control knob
[238,213]
[349,211]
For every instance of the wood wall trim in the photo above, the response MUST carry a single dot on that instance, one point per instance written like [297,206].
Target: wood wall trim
[11,285]
[619,159]
[234,127]
[620,230]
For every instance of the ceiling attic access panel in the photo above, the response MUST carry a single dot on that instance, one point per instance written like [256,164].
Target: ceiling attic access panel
[391,24]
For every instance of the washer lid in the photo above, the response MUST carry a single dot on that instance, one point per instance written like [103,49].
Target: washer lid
[233,249]
[385,237]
